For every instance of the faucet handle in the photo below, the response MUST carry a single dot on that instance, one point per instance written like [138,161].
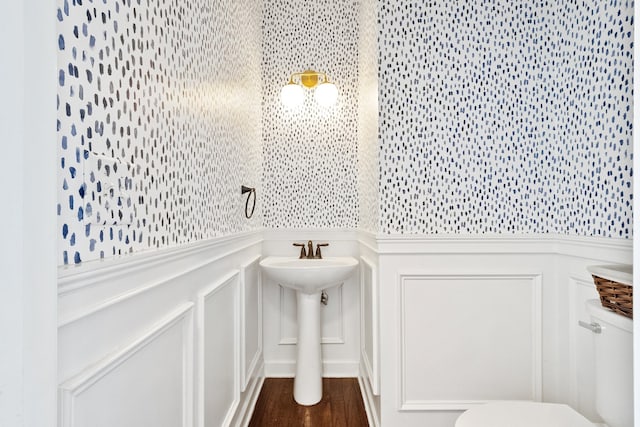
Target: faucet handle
[318,252]
[303,252]
[310,249]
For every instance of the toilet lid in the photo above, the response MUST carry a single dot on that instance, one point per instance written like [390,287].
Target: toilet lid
[522,414]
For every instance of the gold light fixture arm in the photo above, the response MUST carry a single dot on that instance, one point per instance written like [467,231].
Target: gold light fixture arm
[309,78]
[292,94]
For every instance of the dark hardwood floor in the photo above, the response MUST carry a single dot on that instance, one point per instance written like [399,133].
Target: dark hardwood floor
[341,405]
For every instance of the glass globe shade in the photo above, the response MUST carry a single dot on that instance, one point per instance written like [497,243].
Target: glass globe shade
[292,95]
[326,94]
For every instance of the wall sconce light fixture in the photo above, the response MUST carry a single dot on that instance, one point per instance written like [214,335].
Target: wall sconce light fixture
[292,94]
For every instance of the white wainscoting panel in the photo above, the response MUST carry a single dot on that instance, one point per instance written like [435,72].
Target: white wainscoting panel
[104,306]
[251,317]
[467,339]
[157,367]
[369,339]
[469,319]
[219,351]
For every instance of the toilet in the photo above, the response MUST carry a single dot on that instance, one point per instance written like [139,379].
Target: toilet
[614,385]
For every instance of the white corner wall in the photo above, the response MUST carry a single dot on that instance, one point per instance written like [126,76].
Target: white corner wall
[27,247]
[636,223]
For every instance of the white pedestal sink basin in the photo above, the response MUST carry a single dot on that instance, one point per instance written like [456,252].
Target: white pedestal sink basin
[308,277]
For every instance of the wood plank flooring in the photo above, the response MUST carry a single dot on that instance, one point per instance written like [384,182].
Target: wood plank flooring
[341,405]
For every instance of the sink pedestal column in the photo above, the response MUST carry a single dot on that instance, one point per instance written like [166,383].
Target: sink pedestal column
[307,385]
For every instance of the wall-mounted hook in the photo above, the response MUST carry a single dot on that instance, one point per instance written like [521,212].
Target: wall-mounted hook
[324,297]
[244,189]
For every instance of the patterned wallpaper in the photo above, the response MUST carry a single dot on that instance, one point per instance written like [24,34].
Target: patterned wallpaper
[159,111]
[310,153]
[493,117]
[505,117]
[368,184]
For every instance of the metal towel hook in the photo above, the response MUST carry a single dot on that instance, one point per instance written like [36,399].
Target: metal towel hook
[251,191]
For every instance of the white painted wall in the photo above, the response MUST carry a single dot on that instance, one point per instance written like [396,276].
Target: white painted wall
[636,223]
[27,257]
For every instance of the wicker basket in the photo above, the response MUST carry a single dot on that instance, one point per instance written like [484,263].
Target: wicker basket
[615,296]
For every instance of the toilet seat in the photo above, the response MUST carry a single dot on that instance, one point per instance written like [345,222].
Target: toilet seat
[522,414]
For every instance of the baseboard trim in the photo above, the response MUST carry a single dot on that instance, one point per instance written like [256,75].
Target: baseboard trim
[330,369]
[243,417]
[367,398]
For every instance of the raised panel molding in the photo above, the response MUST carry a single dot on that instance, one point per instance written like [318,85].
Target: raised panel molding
[371,361]
[90,379]
[413,403]
[247,372]
[106,304]
[228,283]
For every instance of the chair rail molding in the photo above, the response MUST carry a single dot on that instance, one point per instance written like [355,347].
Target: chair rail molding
[97,285]
[397,244]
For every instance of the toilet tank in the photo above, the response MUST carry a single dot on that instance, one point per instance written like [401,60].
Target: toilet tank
[614,365]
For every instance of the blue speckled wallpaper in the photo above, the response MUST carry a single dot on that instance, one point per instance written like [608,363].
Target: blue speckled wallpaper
[311,152]
[493,117]
[159,107]
[505,117]
[368,182]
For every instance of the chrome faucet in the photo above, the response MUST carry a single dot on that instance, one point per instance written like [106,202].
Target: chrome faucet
[308,252]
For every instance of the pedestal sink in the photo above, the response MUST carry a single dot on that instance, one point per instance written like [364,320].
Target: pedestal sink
[308,277]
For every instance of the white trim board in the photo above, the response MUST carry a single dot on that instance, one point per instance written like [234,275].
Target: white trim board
[397,244]
[83,292]
[247,373]
[71,277]
[371,362]
[330,369]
